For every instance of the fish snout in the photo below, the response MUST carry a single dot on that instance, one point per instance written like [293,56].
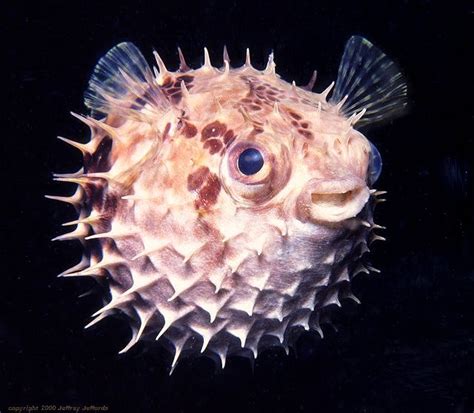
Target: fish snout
[332,200]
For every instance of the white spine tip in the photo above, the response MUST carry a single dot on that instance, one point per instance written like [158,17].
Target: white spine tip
[326,91]
[270,68]
[340,104]
[312,81]
[225,55]
[184,89]
[161,65]
[248,62]
[183,66]
[207,59]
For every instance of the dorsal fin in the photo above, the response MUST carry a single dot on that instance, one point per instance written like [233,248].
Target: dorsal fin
[371,81]
[122,83]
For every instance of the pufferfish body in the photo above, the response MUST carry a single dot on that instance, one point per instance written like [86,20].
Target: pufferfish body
[225,208]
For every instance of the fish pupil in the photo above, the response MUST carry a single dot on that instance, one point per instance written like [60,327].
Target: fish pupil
[250,161]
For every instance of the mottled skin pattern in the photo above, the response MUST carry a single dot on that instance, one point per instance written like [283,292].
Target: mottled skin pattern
[202,255]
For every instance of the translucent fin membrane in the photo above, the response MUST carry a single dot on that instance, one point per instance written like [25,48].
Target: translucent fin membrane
[371,81]
[123,83]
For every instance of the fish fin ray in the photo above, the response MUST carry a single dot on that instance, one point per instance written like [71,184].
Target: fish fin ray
[123,83]
[372,81]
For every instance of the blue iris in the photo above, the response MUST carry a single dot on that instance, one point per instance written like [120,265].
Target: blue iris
[375,164]
[250,161]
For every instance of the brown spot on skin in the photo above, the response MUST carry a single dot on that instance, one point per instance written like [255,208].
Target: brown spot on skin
[213,129]
[95,247]
[96,193]
[294,115]
[167,81]
[165,132]
[110,204]
[175,98]
[229,137]
[255,107]
[213,145]
[173,90]
[294,123]
[209,193]
[196,179]
[307,134]
[189,130]
[185,78]
[304,125]
[172,87]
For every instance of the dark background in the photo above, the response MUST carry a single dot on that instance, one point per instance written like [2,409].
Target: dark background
[408,348]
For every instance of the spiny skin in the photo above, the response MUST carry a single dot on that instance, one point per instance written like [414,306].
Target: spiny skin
[200,254]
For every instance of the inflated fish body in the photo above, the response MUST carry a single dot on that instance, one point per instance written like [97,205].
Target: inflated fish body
[225,208]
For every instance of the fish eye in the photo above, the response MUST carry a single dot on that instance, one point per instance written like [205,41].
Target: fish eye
[253,171]
[375,164]
[250,161]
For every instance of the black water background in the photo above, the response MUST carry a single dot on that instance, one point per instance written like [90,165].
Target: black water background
[408,348]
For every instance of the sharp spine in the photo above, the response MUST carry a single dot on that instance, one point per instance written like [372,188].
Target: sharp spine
[87,220]
[356,117]
[82,147]
[94,123]
[184,89]
[326,91]
[312,81]
[373,269]
[72,200]
[207,60]
[365,223]
[375,237]
[340,104]
[111,234]
[95,320]
[139,333]
[84,263]
[79,233]
[183,66]
[161,65]
[114,303]
[270,68]
[248,62]
[225,55]
[294,88]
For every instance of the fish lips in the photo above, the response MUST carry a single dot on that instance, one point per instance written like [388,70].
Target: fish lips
[332,200]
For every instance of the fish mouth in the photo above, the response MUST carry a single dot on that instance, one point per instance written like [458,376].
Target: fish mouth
[333,200]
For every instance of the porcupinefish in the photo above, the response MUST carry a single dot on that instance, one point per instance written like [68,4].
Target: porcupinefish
[225,208]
